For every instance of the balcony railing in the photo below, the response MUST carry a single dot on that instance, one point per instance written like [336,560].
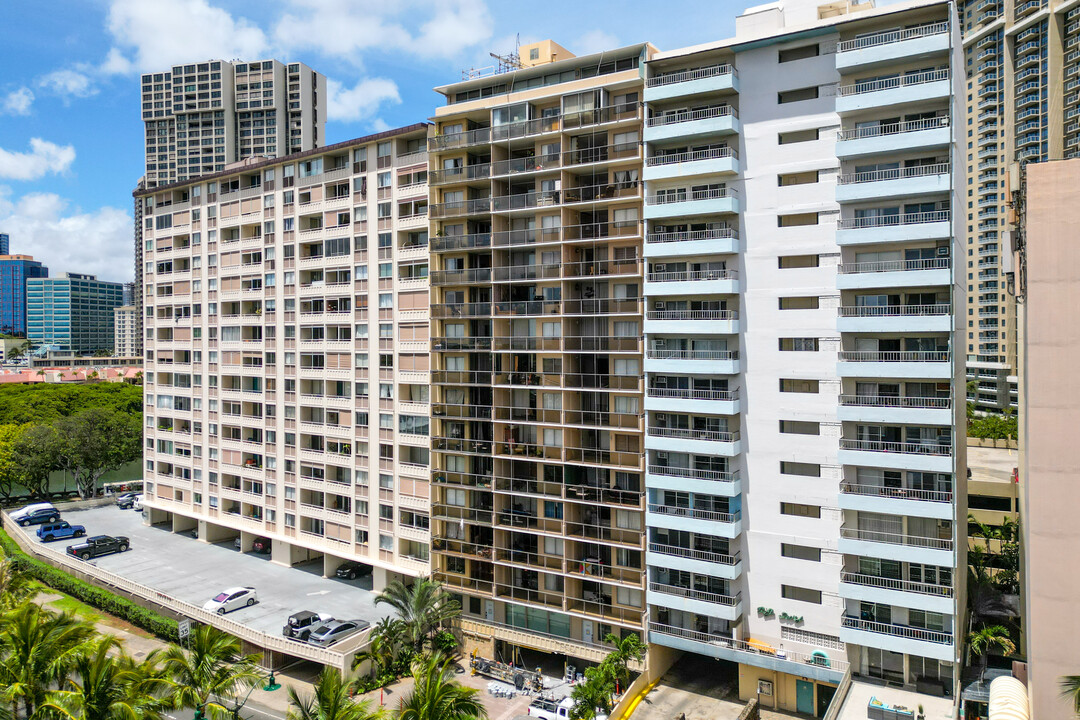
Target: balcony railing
[896,493]
[693,554]
[904,631]
[693,393]
[692,196]
[681,76]
[692,156]
[683,116]
[888,538]
[692,315]
[692,235]
[894,401]
[937,263]
[674,354]
[695,513]
[863,311]
[692,434]
[876,221]
[893,36]
[723,641]
[900,173]
[868,86]
[896,584]
[894,356]
[896,128]
[690,275]
[692,594]
[907,448]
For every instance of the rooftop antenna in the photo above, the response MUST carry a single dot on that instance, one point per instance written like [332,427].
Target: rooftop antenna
[510,61]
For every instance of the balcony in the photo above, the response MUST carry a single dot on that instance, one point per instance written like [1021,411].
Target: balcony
[896,500]
[713,161]
[688,124]
[930,364]
[893,591]
[715,402]
[691,282]
[725,607]
[706,522]
[711,201]
[692,81]
[895,409]
[716,362]
[874,229]
[896,546]
[690,440]
[901,136]
[898,638]
[888,47]
[688,479]
[816,665]
[895,318]
[886,92]
[728,567]
[929,456]
[895,182]
[924,272]
[691,322]
[691,243]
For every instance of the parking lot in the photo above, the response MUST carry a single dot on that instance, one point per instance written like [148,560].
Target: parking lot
[194,571]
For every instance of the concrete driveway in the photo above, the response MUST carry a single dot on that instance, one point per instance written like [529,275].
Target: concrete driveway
[194,571]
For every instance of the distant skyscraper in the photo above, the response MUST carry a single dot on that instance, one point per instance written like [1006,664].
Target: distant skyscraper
[14,272]
[4,244]
[72,313]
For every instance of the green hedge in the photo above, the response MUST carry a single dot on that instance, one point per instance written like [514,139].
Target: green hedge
[92,595]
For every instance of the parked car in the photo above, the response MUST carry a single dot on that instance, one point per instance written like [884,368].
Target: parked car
[300,624]
[27,509]
[261,545]
[334,631]
[137,502]
[126,501]
[46,514]
[351,570]
[232,599]
[60,530]
[99,545]
[549,709]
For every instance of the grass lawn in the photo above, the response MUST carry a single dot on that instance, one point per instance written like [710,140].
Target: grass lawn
[66,603]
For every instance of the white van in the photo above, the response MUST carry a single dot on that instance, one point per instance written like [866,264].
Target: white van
[551,709]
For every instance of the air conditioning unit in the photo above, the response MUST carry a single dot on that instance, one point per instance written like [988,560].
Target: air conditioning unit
[661,417]
[658,268]
[659,305]
[661,381]
[661,456]
[943,251]
[658,343]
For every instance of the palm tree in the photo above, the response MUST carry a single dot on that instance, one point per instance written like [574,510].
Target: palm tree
[331,701]
[438,696]
[422,607]
[385,651]
[627,649]
[108,688]
[594,695]
[210,670]
[40,648]
[988,638]
[1070,689]
[14,587]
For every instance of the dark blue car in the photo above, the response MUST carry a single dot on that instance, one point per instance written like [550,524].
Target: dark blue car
[59,530]
[38,516]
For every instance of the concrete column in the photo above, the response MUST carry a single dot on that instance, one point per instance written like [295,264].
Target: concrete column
[280,551]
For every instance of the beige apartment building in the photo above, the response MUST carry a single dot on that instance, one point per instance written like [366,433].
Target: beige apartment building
[125,331]
[287,354]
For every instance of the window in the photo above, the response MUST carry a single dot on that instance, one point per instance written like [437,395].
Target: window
[797,95]
[797,136]
[795,385]
[787,262]
[798,344]
[628,596]
[800,552]
[797,468]
[798,53]
[799,178]
[800,510]
[799,303]
[800,427]
[791,592]
[797,219]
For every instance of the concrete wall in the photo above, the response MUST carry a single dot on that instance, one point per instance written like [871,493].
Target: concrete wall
[1050,396]
[784,687]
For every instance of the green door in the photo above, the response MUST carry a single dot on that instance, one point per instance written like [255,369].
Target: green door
[804,697]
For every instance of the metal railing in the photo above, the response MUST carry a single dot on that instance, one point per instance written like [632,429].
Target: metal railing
[895,128]
[794,656]
[692,434]
[693,235]
[692,156]
[863,311]
[682,116]
[904,631]
[692,594]
[888,538]
[675,354]
[893,36]
[907,448]
[693,554]
[896,584]
[897,493]
[694,473]
[900,173]
[695,513]
[693,393]
[894,356]
[937,263]
[699,73]
[867,86]
[876,221]
[692,275]
[895,401]
[693,195]
[692,315]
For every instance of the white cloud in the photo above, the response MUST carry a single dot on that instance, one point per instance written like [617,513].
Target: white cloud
[44,157]
[116,64]
[595,41]
[17,102]
[428,28]
[67,239]
[160,34]
[69,83]
[360,102]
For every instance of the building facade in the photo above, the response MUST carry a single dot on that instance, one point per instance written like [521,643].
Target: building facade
[15,270]
[125,331]
[72,313]
[5,243]
[286,345]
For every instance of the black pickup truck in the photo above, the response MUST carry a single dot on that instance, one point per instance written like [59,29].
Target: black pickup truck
[97,546]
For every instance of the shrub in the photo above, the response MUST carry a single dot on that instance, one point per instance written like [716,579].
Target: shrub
[108,602]
[445,642]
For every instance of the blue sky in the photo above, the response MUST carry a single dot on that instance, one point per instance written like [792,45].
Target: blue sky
[70,129]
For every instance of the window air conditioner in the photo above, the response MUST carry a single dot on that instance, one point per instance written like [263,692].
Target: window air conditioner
[659,305]
[661,456]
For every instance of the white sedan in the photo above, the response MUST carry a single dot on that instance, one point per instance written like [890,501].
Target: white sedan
[137,502]
[232,599]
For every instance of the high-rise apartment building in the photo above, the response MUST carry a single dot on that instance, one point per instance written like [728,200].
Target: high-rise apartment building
[124,331]
[73,313]
[287,353]
[5,243]
[15,270]
[537,427]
